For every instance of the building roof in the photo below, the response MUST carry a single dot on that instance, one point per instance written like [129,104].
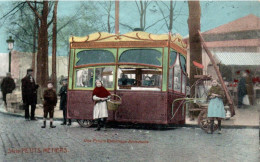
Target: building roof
[238,58]
[235,43]
[249,22]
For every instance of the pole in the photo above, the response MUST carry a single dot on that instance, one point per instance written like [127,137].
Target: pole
[230,101]
[9,62]
[116,16]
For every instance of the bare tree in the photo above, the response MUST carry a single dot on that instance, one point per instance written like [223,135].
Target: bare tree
[142,8]
[54,44]
[107,6]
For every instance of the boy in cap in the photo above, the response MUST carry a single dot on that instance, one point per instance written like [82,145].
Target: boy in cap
[50,101]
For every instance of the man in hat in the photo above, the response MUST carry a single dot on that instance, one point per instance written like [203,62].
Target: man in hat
[50,101]
[29,94]
[7,86]
[63,101]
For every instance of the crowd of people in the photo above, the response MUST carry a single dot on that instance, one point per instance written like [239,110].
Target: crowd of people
[29,98]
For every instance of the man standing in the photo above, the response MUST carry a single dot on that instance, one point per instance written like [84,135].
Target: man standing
[63,102]
[7,86]
[250,88]
[29,94]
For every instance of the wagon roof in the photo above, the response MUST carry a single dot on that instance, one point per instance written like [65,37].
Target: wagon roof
[137,36]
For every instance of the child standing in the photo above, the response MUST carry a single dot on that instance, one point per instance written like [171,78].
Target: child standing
[100,112]
[50,101]
[216,106]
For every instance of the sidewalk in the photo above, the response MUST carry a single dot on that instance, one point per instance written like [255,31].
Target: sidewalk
[248,117]
[58,114]
[244,117]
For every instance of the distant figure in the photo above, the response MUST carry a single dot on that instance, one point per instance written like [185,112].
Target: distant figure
[100,112]
[50,101]
[245,87]
[29,94]
[7,86]
[216,106]
[63,101]
[250,87]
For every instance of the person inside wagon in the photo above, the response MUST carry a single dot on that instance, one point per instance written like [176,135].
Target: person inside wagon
[216,106]
[100,113]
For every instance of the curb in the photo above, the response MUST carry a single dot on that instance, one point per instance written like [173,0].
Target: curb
[223,126]
[173,126]
[22,116]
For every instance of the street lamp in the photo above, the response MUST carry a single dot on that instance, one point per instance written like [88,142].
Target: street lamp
[10,42]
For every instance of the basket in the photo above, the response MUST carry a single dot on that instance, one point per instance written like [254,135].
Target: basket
[113,104]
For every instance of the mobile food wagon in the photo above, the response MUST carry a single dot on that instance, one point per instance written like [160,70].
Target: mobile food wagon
[147,71]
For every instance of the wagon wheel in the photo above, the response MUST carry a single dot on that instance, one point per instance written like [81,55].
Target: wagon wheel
[204,122]
[85,123]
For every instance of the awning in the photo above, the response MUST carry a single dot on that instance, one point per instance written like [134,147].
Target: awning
[238,58]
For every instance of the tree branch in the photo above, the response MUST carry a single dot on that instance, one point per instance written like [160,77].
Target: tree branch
[22,3]
[34,10]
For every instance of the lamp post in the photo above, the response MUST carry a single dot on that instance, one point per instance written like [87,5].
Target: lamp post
[10,42]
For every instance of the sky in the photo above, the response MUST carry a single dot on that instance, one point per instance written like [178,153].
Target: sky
[213,14]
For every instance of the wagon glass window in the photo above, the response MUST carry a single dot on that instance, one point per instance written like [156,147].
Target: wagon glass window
[142,56]
[173,56]
[183,63]
[183,88]
[94,57]
[170,78]
[139,78]
[105,74]
[84,78]
[177,76]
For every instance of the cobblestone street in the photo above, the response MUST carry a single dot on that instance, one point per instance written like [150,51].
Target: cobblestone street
[25,141]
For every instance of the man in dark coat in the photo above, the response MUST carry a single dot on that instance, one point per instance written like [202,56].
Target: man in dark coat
[7,86]
[29,94]
[63,101]
[242,90]
[50,101]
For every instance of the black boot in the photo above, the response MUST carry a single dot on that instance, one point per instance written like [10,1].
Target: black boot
[219,127]
[69,122]
[211,126]
[64,122]
[52,126]
[105,124]
[44,124]
[98,125]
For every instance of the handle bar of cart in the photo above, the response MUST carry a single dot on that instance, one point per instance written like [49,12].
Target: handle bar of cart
[184,101]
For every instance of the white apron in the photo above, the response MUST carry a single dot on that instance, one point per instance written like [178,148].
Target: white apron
[100,108]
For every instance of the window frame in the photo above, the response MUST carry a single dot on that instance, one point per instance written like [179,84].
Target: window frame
[94,76]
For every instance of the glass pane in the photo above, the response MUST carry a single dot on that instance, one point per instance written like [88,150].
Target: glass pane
[94,57]
[84,77]
[173,56]
[183,83]
[139,78]
[183,63]
[170,78]
[143,56]
[177,76]
[151,80]
[105,74]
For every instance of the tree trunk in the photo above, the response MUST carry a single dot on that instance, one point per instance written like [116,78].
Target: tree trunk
[54,45]
[42,57]
[194,39]
[34,39]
